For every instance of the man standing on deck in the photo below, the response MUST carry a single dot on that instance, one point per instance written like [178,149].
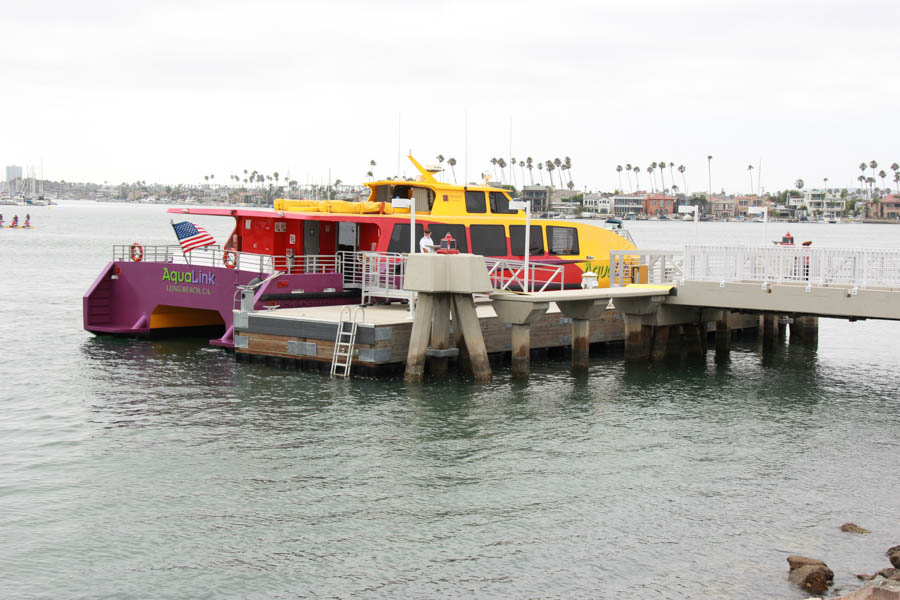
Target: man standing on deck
[425,245]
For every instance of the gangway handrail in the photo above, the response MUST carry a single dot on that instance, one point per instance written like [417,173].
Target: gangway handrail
[857,268]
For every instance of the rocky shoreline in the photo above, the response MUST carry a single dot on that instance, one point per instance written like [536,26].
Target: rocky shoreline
[815,577]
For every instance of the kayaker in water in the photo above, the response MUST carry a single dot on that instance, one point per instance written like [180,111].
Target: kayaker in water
[27,220]
[1,220]
[15,221]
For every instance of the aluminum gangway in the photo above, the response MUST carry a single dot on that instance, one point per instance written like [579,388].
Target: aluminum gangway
[853,283]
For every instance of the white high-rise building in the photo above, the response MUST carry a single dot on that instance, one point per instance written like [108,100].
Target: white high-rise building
[13,172]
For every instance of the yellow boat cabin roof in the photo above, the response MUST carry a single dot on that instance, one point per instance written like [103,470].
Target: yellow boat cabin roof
[431,197]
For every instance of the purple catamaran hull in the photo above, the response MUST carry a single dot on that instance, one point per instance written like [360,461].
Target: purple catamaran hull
[141,298]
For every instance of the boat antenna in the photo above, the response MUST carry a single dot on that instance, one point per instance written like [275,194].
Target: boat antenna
[398,145]
[510,150]
[466,167]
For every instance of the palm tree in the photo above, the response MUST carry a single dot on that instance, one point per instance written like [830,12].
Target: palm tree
[897,180]
[452,162]
[502,164]
[637,177]
[628,169]
[567,163]
[550,168]
[672,175]
[512,170]
[682,169]
[650,170]
[522,171]
[873,165]
[862,180]
[541,172]
[799,184]
[529,163]
[750,170]
[619,171]
[895,168]
[369,175]
[662,175]
[440,159]
[494,163]
[558,163]
[882,175]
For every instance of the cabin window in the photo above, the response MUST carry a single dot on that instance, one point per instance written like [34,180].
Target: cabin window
[400,238]
[562,240]
[458,232]
[517,240]
[475,202]
[500,204]
[488,240]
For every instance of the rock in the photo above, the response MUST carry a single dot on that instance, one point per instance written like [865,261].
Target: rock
[889,574]
[854,528]
[795,562]
[894,555]
[877,589]
[810,574]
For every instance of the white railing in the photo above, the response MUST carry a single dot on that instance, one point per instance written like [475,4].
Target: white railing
[821,267]
[505,274]
[381,276]
[644,266]
[215,256]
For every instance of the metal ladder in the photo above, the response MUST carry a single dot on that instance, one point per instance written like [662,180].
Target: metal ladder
[345,340]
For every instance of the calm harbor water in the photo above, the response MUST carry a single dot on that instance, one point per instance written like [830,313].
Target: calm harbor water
[164,469]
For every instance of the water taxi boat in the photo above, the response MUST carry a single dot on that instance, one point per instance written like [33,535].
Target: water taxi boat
[314,253]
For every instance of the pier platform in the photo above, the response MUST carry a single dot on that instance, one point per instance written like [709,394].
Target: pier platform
[305,337]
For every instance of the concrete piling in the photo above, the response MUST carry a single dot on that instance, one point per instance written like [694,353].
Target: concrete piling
[723,337]
[445,283]
[581,343]
[805,329]
[637,338]
[440,334]
[769,329]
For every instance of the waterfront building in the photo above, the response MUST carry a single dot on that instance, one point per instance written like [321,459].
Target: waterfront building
[631,204]
[722,207]
[539,196]
[658,204]
[827,204]
[887,207]
[598,203]
[13,172]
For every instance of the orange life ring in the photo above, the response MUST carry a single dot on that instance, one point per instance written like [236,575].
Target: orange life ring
[137,252]
[229,258]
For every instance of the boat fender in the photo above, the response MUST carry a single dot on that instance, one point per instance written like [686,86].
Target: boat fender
[137,252]
[229,258]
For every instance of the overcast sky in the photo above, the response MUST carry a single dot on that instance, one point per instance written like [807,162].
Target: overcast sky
[171,91]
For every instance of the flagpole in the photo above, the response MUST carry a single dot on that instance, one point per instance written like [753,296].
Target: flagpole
[186,259]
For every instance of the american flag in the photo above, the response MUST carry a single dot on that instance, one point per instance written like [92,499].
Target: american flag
[192,236]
